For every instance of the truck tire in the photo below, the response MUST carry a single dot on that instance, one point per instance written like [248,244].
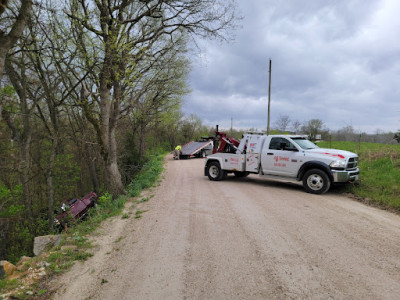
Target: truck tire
[214,171]
[241,174]
[316,181]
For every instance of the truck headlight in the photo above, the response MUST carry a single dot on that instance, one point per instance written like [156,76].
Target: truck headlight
[338,164]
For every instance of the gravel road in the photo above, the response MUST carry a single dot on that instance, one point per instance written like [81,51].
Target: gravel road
[247,238]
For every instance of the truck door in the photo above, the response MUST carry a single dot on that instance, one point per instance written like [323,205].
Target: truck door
[280,157]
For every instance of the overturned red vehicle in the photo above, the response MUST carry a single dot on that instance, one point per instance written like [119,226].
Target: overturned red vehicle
[75,209]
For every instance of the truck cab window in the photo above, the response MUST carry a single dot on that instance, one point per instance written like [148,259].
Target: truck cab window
[281,144]
[288,145]
[275,143]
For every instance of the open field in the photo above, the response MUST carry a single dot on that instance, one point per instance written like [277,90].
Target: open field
[379,171]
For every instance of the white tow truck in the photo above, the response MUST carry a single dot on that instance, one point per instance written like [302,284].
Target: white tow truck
[285,157]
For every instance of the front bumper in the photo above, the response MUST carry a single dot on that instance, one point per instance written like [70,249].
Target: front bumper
[345,176]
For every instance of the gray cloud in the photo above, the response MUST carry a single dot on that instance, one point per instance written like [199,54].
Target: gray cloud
[338,61]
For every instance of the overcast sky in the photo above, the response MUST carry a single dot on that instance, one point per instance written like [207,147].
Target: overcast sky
[334,60]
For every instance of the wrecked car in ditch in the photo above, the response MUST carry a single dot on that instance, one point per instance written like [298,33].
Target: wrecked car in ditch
[74,209]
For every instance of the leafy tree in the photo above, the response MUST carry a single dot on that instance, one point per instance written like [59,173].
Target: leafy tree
[132,37]
[191,128]
[314,127]
[397,136]
[17,113]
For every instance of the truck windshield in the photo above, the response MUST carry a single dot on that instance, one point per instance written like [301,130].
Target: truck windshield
[304,143]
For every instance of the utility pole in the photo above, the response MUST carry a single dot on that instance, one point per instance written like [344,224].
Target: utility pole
[269,97]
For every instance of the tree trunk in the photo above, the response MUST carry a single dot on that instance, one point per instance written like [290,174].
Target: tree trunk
[3,54]
[92,168]
[25,165]
[4,225]
[141,140]
[21,130]
[109,117]
[113,175]
[49,183]
[7,41]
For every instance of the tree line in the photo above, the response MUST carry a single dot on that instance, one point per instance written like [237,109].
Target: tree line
[314,128]
[89,89]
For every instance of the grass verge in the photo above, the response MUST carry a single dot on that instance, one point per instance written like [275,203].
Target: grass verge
[147,176]
[379,172]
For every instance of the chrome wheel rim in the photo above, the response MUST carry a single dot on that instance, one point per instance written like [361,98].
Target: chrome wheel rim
[214,171]
[315,182]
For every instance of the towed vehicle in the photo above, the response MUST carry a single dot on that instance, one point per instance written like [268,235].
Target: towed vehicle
[75,209]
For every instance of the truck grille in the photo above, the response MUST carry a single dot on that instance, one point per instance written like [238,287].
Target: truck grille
[353,163]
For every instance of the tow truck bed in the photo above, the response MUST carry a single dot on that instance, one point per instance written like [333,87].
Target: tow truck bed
[197,149]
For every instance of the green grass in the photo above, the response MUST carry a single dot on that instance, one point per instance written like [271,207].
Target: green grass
[41,292]
[147,176]
[108,207]
[62,261]
[379,171]
[6,285]
[146,199]
[119,239]
[139,213]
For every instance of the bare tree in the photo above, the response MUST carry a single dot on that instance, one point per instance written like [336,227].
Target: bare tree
[282,123]
[296,126]
[346,133]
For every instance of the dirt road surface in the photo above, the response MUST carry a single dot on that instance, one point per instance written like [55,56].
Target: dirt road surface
[247,238]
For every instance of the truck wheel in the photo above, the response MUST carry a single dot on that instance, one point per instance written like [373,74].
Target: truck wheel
[316,181]
[241,174]
[214,171]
